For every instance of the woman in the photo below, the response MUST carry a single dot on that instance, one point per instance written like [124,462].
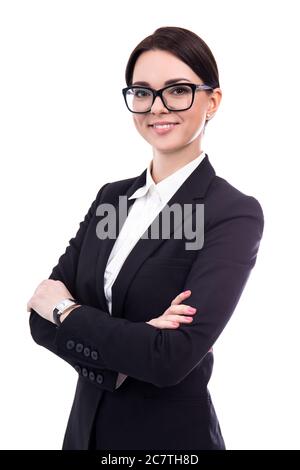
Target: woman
[148,309]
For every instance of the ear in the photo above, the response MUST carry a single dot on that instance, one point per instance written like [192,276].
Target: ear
[214,102]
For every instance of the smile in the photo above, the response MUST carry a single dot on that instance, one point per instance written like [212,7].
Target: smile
[162,128]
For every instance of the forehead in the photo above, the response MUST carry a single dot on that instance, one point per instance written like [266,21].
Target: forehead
[156,67]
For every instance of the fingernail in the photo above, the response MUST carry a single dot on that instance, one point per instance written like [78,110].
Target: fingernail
[186,291]
[191,309]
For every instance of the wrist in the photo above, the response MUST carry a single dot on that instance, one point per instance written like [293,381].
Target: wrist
[67,311]
[62,307]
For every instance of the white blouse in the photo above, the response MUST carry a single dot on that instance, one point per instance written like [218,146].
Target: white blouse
[149,201]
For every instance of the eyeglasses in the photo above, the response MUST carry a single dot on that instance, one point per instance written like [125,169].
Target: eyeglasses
[179,97]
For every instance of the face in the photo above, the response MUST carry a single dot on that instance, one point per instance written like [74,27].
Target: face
[156,67]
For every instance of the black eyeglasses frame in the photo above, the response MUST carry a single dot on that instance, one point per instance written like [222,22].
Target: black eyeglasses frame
[159,93]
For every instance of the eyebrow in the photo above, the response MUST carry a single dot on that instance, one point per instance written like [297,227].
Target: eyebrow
[168,82]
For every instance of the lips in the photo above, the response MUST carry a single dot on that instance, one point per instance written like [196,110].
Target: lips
[162,123]
[163,129]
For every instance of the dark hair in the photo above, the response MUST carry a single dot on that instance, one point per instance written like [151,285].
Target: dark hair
[185,45]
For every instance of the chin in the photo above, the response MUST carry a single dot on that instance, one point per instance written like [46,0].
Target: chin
[166,142]
[168,148]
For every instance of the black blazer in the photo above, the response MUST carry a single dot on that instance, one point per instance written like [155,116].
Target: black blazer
[164,403]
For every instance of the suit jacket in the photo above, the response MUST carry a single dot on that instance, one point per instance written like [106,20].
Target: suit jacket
[164,403]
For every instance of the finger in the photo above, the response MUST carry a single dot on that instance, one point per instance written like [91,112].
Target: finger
[181,309]
[162,323]
[180,297]
[179,318]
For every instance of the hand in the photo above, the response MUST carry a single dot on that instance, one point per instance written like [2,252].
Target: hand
[175,314]
[47,294]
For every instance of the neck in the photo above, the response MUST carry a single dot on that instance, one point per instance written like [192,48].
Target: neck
[164,163]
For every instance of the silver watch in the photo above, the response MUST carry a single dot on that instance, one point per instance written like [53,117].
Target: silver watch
[60,308]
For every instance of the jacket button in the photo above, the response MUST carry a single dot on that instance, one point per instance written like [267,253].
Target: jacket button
[92,376]
[70,344]
[87,352]
[94,355]
[84,372]
[79,347]
[99,378]
[78,369]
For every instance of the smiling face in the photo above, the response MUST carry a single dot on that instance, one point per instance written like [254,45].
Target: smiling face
[154,68]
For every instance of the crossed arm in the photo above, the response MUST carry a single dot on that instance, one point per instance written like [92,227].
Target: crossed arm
[163,357]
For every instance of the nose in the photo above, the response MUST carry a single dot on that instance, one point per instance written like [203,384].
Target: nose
[158,105]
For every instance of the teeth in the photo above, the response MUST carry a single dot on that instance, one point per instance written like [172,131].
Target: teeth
[163,126]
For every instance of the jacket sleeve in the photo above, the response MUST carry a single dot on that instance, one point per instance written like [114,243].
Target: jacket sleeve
[164,357]
[44,332]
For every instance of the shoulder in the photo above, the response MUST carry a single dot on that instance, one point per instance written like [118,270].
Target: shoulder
[224,200]
[112,188]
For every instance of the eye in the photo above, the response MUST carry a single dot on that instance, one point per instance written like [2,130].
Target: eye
[180,90]
[141,93]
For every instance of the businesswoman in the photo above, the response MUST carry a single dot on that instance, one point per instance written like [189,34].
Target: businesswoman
[136,314]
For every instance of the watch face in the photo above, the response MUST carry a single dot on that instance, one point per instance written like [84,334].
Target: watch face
[60,308]
[63,304]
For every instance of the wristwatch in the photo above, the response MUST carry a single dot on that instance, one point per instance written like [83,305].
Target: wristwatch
[60,308]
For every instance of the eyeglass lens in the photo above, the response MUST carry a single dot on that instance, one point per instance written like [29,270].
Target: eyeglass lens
[176,97]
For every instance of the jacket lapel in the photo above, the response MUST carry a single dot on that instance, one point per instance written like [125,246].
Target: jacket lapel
[105,246]
[190,192]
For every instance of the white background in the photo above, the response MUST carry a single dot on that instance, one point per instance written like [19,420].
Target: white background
[65,131]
